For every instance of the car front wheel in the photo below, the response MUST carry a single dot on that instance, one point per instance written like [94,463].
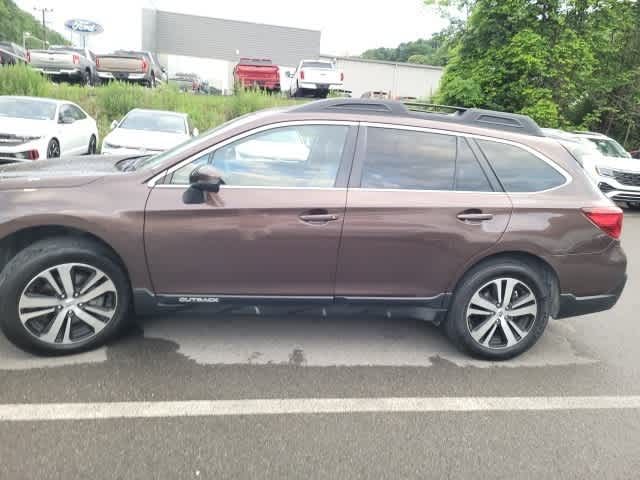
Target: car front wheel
[63,296]
[500,309]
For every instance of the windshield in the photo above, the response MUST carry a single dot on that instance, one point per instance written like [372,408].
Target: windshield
[154,122]
[317,65]
[27,108]
[610,148]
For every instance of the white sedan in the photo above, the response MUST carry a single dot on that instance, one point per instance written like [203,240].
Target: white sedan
[147,132]
[38,128]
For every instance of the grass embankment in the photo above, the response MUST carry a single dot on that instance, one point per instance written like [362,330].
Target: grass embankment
[112,101]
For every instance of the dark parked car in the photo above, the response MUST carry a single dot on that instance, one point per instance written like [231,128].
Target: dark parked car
[474,218]
[12,54]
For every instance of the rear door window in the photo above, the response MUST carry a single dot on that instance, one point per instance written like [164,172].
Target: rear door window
[519,170]
[470,176]
[408,160]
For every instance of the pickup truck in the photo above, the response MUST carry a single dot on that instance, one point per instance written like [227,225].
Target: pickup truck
[258,73]
[131,66]
[12,54]
[315,77]
[65,63]
[188,82]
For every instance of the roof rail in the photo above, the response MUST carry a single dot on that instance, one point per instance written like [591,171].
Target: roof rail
[475,117]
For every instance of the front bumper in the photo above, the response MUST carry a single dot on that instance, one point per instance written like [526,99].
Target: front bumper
[128,151]
[572,306]
[19,153]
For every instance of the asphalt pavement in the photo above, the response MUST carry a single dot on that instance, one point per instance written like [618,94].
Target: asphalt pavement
[192,395]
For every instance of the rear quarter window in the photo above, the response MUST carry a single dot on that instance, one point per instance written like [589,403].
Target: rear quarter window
[519,170]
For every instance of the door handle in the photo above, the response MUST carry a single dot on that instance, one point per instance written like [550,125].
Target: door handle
[475,217]
[318,216]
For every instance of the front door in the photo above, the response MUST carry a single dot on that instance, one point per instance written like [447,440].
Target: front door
[274,227]
[420,207]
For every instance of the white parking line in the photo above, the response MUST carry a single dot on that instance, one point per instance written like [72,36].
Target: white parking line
[215,408]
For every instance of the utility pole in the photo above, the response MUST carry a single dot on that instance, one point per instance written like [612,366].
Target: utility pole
[44,12]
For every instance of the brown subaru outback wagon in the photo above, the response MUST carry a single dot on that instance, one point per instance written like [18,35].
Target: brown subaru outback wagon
[475,219]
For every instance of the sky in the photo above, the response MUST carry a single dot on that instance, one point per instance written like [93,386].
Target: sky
[348,26]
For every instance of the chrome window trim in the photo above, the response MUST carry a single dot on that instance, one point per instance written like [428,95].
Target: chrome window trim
[153,182]
[544,158]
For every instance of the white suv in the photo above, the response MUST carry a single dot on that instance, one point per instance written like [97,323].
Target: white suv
[612,168]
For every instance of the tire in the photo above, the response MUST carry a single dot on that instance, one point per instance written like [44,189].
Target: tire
[152,81]
[65,329]
[53,149]
[480,284]
[93,145]
[86,78]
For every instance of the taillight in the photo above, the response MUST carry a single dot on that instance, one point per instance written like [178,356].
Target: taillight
[607,219]
[301,74]
[145,66]
[342,76]
[28,56]
[97,62]
[33,155]
[76,59]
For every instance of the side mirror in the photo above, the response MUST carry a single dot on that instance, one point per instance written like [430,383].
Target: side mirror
[195,132]
[289,74]
[114,124]
[67,119]
[203,179]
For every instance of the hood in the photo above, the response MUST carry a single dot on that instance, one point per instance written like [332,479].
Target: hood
[626,164]
[145,140]
[58,173]
[24,127]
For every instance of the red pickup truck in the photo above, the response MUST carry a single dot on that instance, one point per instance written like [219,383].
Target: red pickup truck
[257,73]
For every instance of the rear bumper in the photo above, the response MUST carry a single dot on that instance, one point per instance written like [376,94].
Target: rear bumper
[70,73]
[572,306]
[136,77]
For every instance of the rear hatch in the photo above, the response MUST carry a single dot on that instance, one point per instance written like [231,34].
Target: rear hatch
[320,72]
[121,63]
[54,60]
[257,71]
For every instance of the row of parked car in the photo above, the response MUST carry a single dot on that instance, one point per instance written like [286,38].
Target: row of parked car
[84,66]
[313,78]
[42,128]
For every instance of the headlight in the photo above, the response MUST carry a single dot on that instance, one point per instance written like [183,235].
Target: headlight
[605,172]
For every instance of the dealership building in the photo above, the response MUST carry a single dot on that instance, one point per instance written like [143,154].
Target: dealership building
[211,47]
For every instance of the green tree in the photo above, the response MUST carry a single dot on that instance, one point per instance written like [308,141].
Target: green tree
[14,22]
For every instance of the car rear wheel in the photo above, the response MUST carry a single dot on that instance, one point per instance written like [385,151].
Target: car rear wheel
[63,296]
[53,149]
[86,78]
[500,309]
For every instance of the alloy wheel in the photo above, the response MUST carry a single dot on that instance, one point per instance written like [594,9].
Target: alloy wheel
[502,313]
[68,304]
[53,151]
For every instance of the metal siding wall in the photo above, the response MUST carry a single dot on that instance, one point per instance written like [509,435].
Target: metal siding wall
[193,36]
[399,79]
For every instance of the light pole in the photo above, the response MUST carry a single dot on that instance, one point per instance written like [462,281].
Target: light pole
[44,12]
[25,35]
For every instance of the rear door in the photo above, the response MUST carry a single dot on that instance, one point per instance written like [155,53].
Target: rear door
[274,227]
[420,206]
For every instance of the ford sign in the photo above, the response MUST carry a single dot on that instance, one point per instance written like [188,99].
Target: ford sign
[83,26]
